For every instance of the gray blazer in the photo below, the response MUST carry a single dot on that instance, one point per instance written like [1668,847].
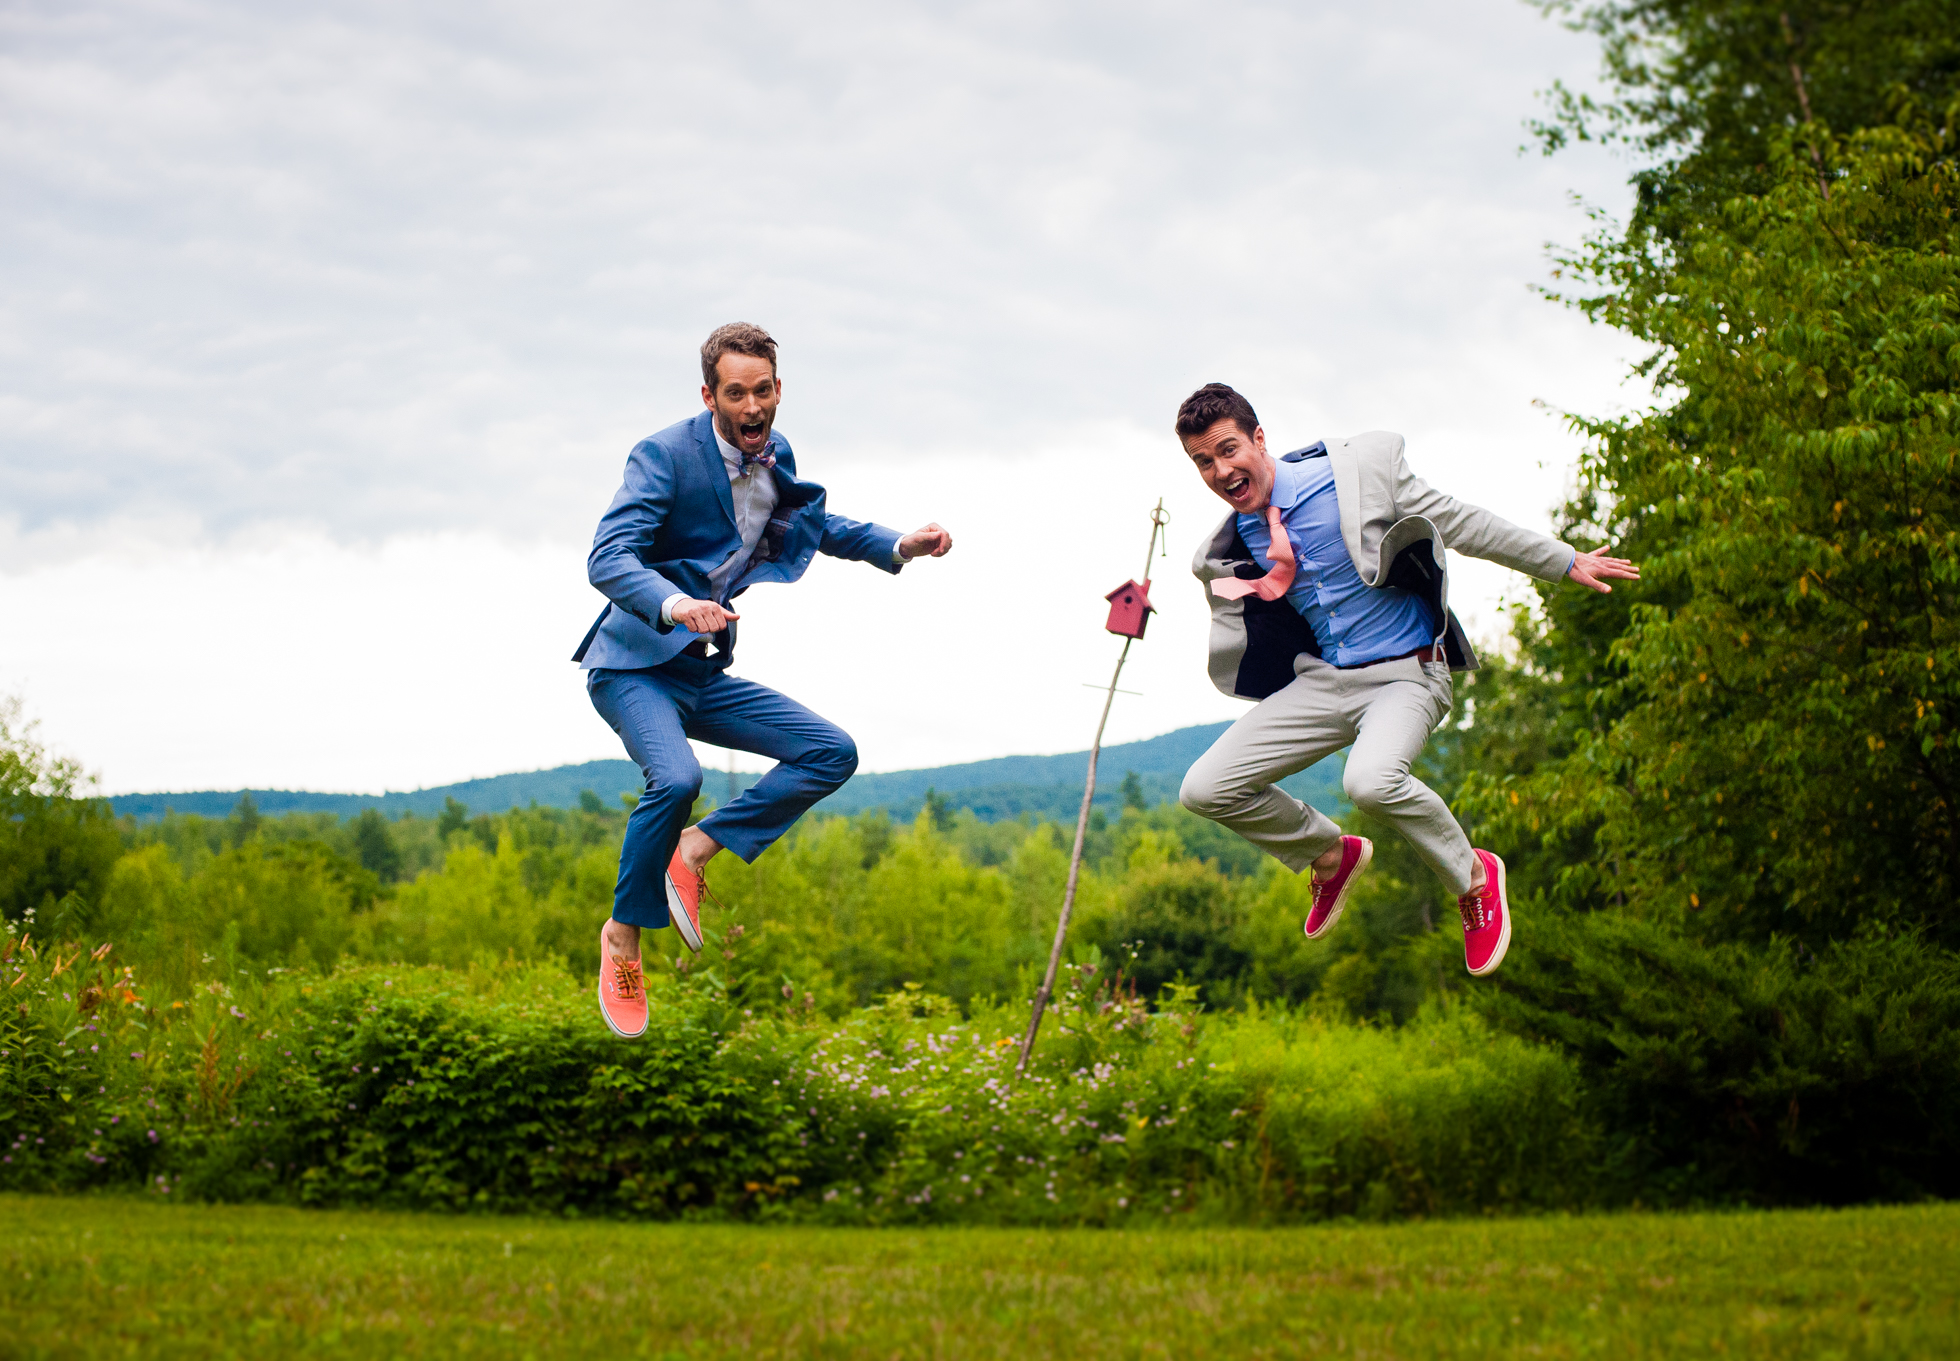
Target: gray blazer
[1395,526]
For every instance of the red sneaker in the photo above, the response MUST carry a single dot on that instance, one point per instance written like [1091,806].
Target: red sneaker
[1486,919]
[1330,895]
[684,888]
[622,995]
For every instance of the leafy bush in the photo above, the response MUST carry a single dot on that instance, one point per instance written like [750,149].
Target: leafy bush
[496,1089]
[1765,1073]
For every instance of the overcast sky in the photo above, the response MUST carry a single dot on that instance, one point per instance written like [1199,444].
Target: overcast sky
[325,330]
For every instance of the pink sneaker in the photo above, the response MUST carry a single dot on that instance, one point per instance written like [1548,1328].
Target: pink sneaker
[1486,919]
[1330,895]
[622,995]
[684,888]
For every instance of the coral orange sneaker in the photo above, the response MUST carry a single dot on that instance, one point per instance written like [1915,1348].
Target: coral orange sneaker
[1330,895]
[622,995]
[684,888]
[1486,919]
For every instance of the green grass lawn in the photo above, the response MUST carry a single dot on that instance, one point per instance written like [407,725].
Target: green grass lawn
[97,1277]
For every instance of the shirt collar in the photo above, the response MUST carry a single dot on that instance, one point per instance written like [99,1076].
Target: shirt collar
[729,453]
[1289,484]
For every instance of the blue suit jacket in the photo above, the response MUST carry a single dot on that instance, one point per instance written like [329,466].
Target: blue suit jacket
[673,521]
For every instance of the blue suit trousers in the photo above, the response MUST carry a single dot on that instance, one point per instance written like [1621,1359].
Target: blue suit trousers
[655,711]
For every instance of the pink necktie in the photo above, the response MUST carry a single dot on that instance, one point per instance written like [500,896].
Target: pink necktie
[1276,582]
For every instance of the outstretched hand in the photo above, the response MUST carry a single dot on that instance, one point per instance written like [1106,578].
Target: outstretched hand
[932,541]
[1594,570]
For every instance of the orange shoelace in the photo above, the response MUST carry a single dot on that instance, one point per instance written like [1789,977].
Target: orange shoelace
[702,880]
[626,978]
[1471,905]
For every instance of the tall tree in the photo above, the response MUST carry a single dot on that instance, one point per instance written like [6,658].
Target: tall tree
[1727,738]
[1699,90]
[56,844]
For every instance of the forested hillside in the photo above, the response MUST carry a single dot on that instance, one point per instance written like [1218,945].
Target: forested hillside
[1146,772]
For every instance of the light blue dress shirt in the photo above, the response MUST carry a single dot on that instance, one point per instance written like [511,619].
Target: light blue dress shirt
[1353,622]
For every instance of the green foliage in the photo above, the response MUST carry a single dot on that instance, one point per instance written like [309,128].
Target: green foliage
[1796,516]
[56,848]
[423,1091]
[495,1089]
[874,977]
[295,905]
[1727,793]
[1771,1074]
[244,820]
[851,909]
[1131,1114]
[375,848]
[1701,89]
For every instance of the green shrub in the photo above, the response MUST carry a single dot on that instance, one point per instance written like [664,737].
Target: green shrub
[499,1090]
[1764,1073]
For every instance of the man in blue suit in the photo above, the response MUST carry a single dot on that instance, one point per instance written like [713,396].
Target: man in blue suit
[708,508]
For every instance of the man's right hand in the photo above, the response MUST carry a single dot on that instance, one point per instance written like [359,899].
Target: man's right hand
[702,616]
[1593,570]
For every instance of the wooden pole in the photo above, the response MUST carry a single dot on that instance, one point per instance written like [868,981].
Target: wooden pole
[1047,988]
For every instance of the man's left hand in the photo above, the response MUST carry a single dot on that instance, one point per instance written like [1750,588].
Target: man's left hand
[931,541]
[1593,570]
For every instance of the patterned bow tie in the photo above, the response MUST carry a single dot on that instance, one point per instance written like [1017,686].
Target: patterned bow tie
[1276,582]
[750,462]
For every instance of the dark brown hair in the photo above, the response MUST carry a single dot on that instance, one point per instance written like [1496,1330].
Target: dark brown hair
[737,337]
[1210,404]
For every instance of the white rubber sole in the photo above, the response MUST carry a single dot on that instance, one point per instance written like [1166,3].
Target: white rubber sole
[677,914]
[1340,899]
[607,1017]
[1503,931]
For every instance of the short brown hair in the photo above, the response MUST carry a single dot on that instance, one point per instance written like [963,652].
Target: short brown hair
[737,337]
[1210,404]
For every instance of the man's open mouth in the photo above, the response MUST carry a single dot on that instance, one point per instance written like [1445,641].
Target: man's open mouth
[1238,486]
[752,432]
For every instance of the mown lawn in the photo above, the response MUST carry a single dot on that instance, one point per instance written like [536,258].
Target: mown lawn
[99,1277]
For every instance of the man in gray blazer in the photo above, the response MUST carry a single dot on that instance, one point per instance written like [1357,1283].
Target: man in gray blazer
[1329,595]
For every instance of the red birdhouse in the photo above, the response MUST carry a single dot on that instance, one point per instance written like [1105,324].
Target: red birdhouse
[1129,609]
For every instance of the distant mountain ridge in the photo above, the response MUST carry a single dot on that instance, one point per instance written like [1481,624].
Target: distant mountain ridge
[1004,787]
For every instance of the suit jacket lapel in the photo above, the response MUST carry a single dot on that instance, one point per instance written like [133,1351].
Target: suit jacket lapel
[717,470]
[1347,495]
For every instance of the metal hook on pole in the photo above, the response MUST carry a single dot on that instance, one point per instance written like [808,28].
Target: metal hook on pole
[1159,518]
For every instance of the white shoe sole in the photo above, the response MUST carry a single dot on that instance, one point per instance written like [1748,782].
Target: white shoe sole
[607,1015]
[677,914]
[1340,899]
[1503,931]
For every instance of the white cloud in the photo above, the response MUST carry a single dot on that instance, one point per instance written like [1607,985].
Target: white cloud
[299,301]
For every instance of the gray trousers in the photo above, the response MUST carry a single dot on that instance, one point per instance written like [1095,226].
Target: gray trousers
[1386,711]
